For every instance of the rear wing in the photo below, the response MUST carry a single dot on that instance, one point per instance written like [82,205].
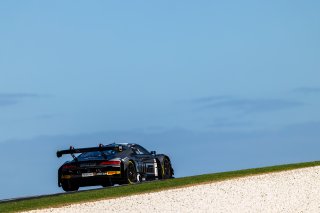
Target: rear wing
[100,148]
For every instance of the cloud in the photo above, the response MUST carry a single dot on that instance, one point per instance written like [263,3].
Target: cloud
[246,105]
[307,90]
[7,99]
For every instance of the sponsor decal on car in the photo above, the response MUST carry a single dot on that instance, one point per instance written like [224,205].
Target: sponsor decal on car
[87,174]
[113,172]
[66,176]
[91,174]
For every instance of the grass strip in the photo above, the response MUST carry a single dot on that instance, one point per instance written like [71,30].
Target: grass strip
[113,192]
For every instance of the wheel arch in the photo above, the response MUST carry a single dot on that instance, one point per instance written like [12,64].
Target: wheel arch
[126,163]
[161,158]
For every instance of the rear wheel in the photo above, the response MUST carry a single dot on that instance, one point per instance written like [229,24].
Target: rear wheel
[131,173]
[69,186]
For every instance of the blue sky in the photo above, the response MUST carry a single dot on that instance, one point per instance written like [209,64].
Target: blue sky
[236,83]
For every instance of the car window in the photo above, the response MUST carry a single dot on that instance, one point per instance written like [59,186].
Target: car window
[96,154]
[140,150]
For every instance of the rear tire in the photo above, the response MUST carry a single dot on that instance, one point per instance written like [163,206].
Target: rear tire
[69,186]
[131,174]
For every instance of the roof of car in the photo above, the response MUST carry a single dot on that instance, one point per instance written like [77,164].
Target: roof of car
[121,144]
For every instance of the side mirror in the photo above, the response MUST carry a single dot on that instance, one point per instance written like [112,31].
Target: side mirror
[153,152]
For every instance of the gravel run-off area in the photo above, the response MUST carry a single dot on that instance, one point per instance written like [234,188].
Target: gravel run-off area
[289,191]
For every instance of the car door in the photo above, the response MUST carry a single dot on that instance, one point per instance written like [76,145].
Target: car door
[146,161]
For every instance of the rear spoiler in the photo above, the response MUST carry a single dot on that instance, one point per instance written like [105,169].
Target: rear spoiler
[100,148]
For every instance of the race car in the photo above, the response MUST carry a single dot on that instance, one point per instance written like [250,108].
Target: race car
[111,164]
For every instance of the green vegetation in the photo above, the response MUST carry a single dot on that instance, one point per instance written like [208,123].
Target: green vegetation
[113,192]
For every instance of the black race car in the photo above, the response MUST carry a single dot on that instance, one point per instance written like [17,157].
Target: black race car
[111,164]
